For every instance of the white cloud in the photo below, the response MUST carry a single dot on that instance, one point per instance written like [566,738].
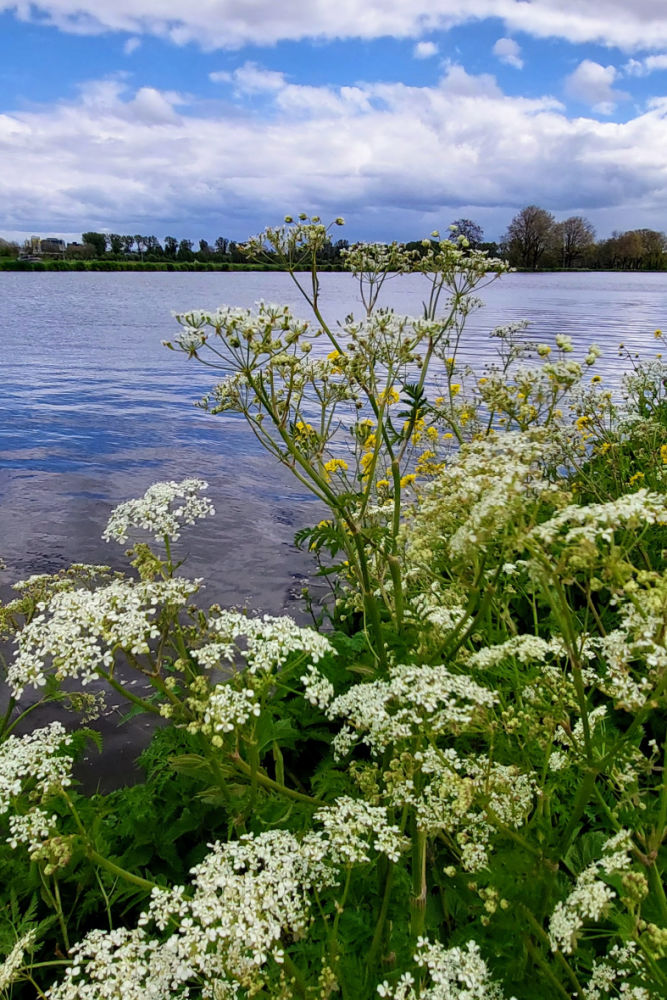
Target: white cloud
[230,24]
[425,50]
[131,45]
[145,160]
[650,64]
[592,83]
[251,79]
[508,51]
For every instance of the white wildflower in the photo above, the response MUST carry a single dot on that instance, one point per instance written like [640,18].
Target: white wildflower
[452,974]
[317,689]
[524,648]
[384,712]
[31,829]
[162,510]
[226,708]
[14,962]
[351,825]
[591,897]
[36,762]
[268,641]
[77,632]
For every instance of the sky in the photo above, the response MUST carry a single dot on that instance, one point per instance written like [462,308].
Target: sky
[216,118]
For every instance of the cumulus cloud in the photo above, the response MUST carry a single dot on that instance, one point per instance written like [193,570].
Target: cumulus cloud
[425,50]
[230,24]
[120,157]
[508,51]
[592,84]
[650,64]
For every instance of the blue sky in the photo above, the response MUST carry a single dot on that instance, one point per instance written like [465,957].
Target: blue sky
[217,117]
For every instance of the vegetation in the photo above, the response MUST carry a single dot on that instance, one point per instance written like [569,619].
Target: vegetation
[533,240]
[454,786]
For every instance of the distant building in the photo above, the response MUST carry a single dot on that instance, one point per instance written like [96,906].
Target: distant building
[36,248]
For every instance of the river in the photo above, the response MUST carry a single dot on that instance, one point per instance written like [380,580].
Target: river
[93,409]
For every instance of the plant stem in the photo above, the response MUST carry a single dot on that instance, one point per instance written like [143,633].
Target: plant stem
[418,896]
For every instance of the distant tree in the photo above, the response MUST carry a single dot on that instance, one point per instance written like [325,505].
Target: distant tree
[205,251]
[128,243]
[8,248]
[236,252]
[115,243]
[140,242]
[529,235]
[185,250]
[473,233]
[96,240]
[572,237]
[153,246]
[221,245]
[170,246]
[81,251]
[654,247]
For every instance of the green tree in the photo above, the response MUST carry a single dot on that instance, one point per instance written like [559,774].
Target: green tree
[170,246]
[96,240]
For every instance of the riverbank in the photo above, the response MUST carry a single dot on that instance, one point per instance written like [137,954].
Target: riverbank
[11,264]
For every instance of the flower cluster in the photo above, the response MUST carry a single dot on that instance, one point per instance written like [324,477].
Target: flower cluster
[453,974]
[162,511]
[78,632]
[381,713]
[268,642]
[591,897]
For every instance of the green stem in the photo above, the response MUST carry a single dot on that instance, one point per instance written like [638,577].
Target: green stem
[580,803]
[382,917]
[418,895]
[266,782]
[540,932]
[135,699]
[115,869]
[539,960]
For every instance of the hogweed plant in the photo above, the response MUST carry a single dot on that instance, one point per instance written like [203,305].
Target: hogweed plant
[456,786]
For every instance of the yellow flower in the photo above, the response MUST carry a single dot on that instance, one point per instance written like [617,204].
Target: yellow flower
[334,465]
[635,479]
[663,454]
[408,480]
[448,436]
[369,443]
[382,484]
[658,334]
[604,448]
[432,433]
[482,381]
[582,423]
[455,388]
[596,379]
[366,460]
[388,396]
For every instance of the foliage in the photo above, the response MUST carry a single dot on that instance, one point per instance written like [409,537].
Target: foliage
[455,786]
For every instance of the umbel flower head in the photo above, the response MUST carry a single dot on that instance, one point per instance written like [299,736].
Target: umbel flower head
[163,510]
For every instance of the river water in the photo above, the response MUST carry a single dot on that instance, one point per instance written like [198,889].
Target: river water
[93,409]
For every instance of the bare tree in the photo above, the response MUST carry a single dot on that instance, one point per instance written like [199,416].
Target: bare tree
[470,230]
[529,235]
[573,237]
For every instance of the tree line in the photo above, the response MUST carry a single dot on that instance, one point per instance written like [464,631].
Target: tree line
[534,240]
